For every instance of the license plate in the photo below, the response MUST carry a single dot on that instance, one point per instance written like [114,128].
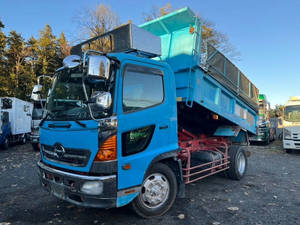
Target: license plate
[58,191]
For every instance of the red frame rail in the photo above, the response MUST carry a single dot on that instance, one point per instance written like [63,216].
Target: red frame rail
[190,143]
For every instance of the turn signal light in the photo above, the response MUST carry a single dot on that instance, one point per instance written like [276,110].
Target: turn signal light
[108,150]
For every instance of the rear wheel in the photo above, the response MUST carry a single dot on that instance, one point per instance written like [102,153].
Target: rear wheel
[23,139]
[158,192]
[238,162]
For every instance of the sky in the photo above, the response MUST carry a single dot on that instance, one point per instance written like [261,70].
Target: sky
[265,32]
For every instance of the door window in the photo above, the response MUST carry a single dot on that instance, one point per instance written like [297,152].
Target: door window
[142,88]
[136,140]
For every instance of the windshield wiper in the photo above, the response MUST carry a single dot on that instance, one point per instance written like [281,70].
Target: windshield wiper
[79,123]
[47,115]
[74,119]
[43,120]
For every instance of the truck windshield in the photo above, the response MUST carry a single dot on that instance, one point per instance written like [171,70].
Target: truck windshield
[66,99]
[292,113]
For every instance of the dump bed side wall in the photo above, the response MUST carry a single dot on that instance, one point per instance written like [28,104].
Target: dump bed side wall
[209,93]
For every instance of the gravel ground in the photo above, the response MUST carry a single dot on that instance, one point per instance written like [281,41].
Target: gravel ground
[268,194]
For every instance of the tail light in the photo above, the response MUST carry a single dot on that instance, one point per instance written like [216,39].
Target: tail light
[108,150]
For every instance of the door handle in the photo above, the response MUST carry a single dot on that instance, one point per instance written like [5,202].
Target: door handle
[163,127]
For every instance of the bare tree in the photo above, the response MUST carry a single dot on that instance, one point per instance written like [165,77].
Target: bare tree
[96,21]
[218,39]
[158,12]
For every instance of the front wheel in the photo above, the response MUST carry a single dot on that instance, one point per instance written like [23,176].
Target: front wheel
[158,193]
[36,146]
[267,142]
[238,162]
[5,144]
[288,151]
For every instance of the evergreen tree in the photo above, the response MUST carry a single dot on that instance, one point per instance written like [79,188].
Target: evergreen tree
[47,54]
[32,46]
[3,72]
[15,54]
[63,47]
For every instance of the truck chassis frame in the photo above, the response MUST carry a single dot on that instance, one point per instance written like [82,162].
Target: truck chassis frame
[191,143]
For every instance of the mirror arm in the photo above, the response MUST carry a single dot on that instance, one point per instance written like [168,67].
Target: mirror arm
[87,99]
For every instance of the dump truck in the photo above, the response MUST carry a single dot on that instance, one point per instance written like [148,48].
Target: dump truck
[290,122]
[266,131]
[15,121]
[134,115]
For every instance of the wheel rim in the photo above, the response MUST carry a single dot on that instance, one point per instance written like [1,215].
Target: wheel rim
[241,162]
[24,140]
[155,190]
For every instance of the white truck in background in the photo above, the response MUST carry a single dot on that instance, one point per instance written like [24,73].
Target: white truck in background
[290,122]
[15,120]
[38,110]
[37,114]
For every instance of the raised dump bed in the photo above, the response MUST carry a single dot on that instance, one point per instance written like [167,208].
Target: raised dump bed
[219,87]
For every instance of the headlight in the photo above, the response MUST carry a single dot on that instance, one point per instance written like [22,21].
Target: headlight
[286,134]
[262,125]
[92,187]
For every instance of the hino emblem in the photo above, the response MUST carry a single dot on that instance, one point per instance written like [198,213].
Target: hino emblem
[59,150]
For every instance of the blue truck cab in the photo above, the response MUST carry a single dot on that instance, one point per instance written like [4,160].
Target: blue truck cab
[111,128]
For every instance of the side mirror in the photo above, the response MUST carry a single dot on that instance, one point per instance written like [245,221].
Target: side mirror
[102,99]
[71,61]
[35,95]
[98,67]
[37,89]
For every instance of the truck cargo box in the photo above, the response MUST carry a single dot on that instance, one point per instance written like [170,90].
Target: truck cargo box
[19,114]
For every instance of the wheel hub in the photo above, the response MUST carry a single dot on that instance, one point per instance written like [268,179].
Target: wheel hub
[241,163]
[155,190]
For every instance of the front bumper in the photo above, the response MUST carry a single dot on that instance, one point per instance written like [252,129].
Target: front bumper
[34,139]
[291,144]
[66,186]
[257,138]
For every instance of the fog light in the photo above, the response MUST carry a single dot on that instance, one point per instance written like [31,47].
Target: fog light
[92,187]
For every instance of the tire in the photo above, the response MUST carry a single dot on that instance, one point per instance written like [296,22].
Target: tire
[35,146]
[23,140]
[5,144]
[238,163]
[288,151]
[161,180]
[267,142]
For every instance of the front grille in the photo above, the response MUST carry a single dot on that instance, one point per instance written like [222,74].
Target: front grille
[73,157]
[295,136]
[262,130]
